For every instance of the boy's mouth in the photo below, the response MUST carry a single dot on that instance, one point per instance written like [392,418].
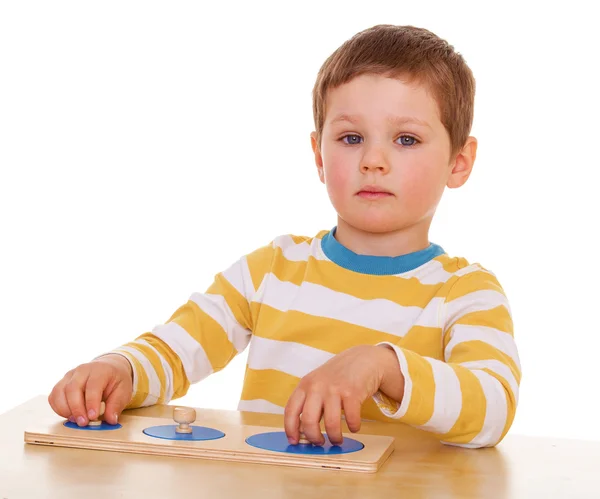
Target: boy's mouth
[373,192]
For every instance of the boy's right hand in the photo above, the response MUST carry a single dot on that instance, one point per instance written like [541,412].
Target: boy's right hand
[78,395]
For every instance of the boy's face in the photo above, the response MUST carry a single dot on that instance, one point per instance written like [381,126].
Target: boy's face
[365,147]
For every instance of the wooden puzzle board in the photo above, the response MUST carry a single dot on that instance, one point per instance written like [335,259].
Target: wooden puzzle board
[232,447]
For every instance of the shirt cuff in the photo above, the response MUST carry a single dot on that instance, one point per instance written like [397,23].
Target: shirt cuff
[389,407]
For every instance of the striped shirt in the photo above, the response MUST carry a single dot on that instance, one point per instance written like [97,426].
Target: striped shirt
[298,301]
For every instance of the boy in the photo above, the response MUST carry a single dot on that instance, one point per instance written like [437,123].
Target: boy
[370,318]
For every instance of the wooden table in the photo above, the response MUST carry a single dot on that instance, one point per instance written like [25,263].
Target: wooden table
[520,467]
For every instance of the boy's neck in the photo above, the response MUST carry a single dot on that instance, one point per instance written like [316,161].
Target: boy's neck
[397,243]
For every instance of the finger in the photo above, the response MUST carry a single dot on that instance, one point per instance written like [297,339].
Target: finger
[332,416]
[352,413]
[291,415]
[58,400]
[116,401]
[93,393]
[74,394]
[311,419]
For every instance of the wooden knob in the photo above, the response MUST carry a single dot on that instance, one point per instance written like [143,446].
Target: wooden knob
[184,416]
[98,420]
[303,439]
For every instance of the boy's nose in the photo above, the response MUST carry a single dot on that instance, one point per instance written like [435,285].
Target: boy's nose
[374,159]
[380,165]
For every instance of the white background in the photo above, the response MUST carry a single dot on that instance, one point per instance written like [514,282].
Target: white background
[145,146]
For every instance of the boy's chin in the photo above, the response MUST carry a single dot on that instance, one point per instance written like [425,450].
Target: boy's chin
[375,225]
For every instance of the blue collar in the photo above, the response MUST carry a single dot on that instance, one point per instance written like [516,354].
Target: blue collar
[376,265]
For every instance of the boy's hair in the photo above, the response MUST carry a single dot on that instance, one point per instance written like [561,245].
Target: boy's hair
[414,55]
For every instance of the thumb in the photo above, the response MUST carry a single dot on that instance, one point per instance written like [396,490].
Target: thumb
[116,402]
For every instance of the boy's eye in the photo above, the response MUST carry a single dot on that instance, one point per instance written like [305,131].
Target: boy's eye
[353,139]
[403,142]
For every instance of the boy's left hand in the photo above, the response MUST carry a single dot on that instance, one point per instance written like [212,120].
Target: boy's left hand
[343,382]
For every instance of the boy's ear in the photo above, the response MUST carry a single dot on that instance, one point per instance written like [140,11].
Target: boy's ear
[318,157]
[463,164]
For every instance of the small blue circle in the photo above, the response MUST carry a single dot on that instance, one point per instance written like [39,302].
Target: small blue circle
[277,441]
[103,426]
[198,433]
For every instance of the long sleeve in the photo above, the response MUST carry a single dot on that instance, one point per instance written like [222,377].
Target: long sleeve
[470,398]
[201,337]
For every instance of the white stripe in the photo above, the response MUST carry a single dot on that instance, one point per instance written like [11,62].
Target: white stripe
[153,380]
[288,357]
[430,273]
[495,414]
[473,302]
[166,368]
[475,267]
[298,252]
[447,402]
[404,404]
[496,367]
[494,337]
[238,275]
[193,357]
[379,314]
[259,405]
[217,308]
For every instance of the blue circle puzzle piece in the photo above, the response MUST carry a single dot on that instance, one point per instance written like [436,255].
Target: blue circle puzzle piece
[103,427]
[277,441]
[198,433]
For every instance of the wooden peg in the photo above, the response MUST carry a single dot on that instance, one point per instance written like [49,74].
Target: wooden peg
[98,420]
[184,416]
[303,439]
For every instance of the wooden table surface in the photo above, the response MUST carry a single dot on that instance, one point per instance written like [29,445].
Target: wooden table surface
[421,467]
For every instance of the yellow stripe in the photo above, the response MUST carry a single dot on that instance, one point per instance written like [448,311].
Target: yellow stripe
[426,341]
[206,331]
[497,318]
[472,413]
[475,350]
[236,301]
[475,281]
[153,358]
[180,381]
[255,310]
[307,239]
[453,264]
[420,407]
[269,384]
[288,270]
[329,335]
[259,262]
